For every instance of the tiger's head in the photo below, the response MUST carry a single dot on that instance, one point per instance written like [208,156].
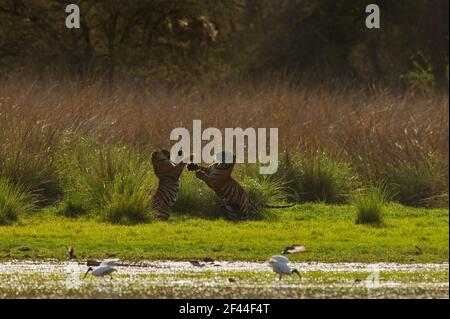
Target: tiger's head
[160,156]
[163,165]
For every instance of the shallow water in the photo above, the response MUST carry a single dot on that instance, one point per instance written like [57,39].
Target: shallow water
[169,279]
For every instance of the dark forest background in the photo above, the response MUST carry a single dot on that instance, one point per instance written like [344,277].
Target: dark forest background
[209,42]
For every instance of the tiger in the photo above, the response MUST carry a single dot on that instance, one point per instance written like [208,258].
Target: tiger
[168,174]
[235,199]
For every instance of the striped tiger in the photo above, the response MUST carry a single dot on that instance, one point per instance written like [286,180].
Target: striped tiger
[168,174]
[235,199]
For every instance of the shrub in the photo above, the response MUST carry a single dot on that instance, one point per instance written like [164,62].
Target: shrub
[317,177]
[290,169]
[422,183]
[369,204]
[27,159]
[13,202]
[262,192]
[127,204]
[115,182]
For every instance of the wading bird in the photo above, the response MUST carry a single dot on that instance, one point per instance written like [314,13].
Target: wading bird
[196,263]
[280,266]
[105,268]
[70,253]
[294,249]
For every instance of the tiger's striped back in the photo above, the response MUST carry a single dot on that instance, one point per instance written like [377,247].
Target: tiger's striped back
[235,199]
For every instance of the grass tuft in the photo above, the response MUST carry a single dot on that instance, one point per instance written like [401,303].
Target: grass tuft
[369,204]
[13,202]
[262,192]
[317,178]
[27,159]
[423,183]
[114,182]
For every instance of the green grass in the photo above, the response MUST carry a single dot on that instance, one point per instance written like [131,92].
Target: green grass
[13,202]
[112,183]
[369,204]
[328,232]
[196,199]
[317,177]
[423,184]
[27,160]
[309,278]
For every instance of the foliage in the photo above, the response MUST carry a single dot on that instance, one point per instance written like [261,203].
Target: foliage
[14,202]
[27,158]
[369,204]
[328,232]
[114,182]
[317,177]
[189,42]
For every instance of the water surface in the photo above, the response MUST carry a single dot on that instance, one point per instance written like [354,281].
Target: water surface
[170,279]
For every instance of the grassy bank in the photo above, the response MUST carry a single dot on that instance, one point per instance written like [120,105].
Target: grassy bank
[328,231]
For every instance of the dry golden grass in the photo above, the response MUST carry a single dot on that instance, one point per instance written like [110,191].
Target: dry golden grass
[355,121]
[378,131]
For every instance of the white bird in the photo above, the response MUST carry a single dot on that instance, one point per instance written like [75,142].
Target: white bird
[280,266]
[105,268]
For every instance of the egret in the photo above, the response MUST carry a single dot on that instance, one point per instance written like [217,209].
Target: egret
[280,266]
[105,268]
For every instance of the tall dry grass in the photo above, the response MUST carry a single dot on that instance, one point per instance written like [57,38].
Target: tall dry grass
[399,139]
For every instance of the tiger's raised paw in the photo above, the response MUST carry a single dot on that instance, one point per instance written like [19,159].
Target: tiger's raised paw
[192,167]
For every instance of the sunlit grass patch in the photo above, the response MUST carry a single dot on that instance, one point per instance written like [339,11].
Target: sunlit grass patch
[329,234]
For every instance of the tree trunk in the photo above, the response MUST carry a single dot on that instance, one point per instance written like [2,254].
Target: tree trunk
[436,32]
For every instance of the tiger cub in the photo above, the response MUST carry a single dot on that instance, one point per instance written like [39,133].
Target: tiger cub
[218,177]
[168,174]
